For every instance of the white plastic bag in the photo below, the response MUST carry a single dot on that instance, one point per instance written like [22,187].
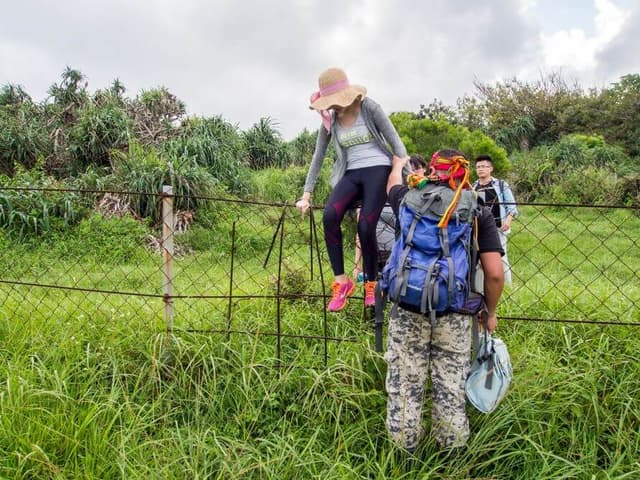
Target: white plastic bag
[490,374]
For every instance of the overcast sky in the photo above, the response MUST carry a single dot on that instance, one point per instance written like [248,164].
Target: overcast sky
[247,59]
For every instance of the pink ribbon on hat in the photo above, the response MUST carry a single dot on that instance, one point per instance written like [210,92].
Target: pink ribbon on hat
[326,116]
[334,87]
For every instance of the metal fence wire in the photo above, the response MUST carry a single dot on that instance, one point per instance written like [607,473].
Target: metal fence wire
[257,270]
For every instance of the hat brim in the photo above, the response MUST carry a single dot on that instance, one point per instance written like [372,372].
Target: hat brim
[342,98]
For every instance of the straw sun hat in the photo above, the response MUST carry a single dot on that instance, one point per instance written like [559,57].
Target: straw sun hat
[335,89]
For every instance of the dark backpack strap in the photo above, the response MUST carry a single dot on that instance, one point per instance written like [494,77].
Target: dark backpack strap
[430,290]
[378,322]
[446,251]
[417,215]
[401,284]
[473,256]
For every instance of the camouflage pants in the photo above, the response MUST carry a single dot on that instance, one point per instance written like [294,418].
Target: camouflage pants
[415,349]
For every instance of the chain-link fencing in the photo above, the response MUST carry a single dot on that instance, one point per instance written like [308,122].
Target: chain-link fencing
[253,272]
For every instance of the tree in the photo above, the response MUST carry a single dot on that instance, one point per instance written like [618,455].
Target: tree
[437,110]
[620,106]
[527,112]
[264,145]
[427,136]
[301,148]
[156,114]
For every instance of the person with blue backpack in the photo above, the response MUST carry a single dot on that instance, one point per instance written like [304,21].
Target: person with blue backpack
[430,280]
[386,227]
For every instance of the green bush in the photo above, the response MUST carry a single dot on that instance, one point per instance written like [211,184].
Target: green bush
[23,136]
[533,174]
[112,240]
[301,148]
[214,144]
[98,130]
[576,150]
[577,169]
[426,136]
[38,208]
[590,185]
[278,185]
[264,145]
[143,172]
[287,185]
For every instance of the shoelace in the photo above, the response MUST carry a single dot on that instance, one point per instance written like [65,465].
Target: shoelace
[335,290]
[369,288]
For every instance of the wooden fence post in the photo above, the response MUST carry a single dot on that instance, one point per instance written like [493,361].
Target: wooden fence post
[168,225]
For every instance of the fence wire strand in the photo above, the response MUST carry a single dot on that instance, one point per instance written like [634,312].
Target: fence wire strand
[259,269]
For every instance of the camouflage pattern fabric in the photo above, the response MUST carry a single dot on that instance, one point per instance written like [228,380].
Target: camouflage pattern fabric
[415,349]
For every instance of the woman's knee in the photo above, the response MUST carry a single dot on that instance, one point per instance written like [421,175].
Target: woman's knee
[330,217]
[366,231]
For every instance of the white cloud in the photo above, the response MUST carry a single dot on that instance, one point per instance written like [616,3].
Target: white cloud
[252,59]
[574,50]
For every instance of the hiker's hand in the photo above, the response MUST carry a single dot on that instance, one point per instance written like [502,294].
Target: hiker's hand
[506,224]
[303,205]
[490,322]
[399,161]
[356,271]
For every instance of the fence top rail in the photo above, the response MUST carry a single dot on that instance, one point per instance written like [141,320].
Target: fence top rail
[276,204]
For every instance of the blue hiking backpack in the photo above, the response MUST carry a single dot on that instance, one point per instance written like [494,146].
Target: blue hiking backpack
[431,268]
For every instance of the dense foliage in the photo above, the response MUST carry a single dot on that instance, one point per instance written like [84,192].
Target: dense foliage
[424,136]
[553,141]
[522,115]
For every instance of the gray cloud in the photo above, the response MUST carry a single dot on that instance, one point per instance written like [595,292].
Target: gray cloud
[252,59]
[620,56]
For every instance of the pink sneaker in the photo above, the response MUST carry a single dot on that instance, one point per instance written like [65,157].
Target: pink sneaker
[340,292]
[369,294]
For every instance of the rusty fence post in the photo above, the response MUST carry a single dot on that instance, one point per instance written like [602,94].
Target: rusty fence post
[168,225]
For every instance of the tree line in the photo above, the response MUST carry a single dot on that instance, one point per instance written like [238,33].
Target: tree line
[554,140]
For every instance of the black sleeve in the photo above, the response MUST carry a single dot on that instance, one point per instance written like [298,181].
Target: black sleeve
[488,239]
[396,194]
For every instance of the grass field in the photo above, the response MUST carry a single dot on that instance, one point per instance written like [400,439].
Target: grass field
[92,388]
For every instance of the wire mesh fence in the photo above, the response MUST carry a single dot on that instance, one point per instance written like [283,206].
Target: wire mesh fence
[257,271]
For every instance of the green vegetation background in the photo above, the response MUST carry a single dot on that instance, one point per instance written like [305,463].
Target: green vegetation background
[91,389]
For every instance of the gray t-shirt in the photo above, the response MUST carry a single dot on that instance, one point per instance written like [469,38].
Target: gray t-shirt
[362,149]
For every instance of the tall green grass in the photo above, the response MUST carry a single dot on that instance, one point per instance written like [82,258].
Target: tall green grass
[92,388]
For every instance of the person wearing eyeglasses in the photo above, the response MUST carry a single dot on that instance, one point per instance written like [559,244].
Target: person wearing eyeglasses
[498,196]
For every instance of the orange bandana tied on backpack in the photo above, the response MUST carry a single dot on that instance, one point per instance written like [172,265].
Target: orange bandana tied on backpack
[455,172]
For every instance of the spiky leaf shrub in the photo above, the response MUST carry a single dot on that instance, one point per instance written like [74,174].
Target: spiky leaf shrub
[264,145]
[142,173]
[23,136]
[98,130]
[214,144]
[301,148]
[39,208]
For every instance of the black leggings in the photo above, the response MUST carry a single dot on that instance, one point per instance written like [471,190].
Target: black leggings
[366,184]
